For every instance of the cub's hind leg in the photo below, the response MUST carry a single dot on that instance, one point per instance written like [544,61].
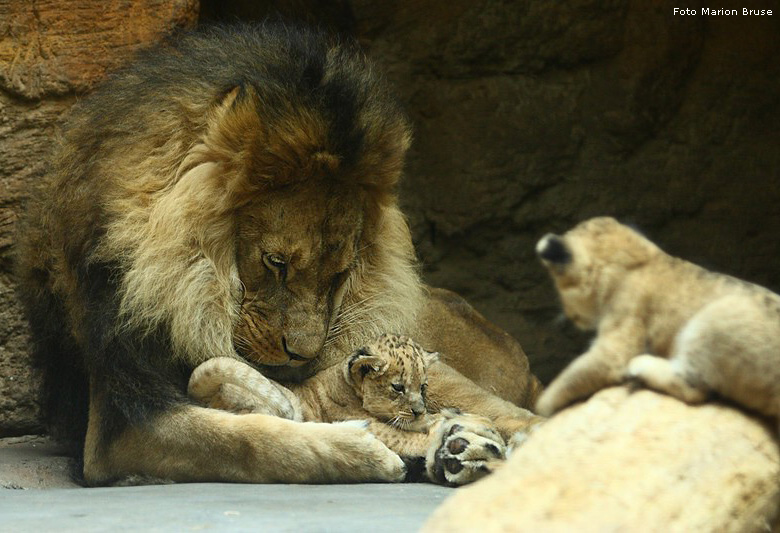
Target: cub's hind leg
[665,375]
[231,385]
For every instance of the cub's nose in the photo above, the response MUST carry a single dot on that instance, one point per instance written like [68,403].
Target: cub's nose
[417,405]
[552,249]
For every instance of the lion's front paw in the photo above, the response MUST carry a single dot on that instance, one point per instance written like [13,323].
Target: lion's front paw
[465,449]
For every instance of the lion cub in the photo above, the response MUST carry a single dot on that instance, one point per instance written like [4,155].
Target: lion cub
[706,332]
[385,380]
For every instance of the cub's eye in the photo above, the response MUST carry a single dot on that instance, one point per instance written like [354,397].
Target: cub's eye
[424,389]
[276,264]
[398,387]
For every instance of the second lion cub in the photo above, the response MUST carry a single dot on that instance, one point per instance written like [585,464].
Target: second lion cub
[665,322]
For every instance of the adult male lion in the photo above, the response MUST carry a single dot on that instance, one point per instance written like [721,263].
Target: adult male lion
[231,194]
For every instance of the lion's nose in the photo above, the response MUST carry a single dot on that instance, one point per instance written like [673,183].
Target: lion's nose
[298,351]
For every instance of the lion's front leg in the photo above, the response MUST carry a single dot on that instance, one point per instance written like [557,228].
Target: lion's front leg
[449,388]
[189,443]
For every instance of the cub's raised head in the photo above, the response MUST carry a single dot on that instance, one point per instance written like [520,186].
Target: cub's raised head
[390,376]
[588,261]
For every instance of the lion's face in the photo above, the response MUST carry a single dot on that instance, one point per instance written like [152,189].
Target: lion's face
[295,252]
[588,262]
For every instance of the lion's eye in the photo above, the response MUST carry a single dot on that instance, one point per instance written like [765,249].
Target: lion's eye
[340,278]
[424,389]
[276,264]
[398,387]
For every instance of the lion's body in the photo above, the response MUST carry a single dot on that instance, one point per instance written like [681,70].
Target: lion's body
[231,194]
[475,347]
[703,332]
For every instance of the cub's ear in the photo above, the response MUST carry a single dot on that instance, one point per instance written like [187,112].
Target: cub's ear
[360,364]
[431,357]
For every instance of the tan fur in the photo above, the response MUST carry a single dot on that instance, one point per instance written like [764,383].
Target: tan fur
[360,388]
[155,240]
[706,332]
[183,246]
[476,348]
[352,453]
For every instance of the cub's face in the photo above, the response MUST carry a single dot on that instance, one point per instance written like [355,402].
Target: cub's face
[296,250]
[390,375]
[588,262]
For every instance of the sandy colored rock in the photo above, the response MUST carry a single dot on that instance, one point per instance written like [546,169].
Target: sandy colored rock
[629,462]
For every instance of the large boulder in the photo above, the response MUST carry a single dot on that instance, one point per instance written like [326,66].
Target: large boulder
[627,461]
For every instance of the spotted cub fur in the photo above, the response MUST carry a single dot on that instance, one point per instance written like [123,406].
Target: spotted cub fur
[661,321]
[381,385]
[385,380]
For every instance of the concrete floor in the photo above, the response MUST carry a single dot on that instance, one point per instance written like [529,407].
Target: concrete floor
[222,507]
[38,496]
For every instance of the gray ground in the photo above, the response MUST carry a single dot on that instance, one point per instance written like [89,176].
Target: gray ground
[29,464]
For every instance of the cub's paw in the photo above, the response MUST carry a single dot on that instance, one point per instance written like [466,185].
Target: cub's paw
[549,403]
[640,366]
[465,448]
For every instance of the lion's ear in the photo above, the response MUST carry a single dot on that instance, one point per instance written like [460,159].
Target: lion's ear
[360,364]
[233,112]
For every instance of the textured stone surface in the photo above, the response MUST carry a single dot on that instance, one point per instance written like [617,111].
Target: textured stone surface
[629,462]
[51,47]
[50,51]
[26,129]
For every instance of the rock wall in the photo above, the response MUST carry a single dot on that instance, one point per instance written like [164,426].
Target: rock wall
[529,117]
[50,52]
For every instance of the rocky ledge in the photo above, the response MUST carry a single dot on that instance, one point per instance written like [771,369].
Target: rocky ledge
[630,461]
